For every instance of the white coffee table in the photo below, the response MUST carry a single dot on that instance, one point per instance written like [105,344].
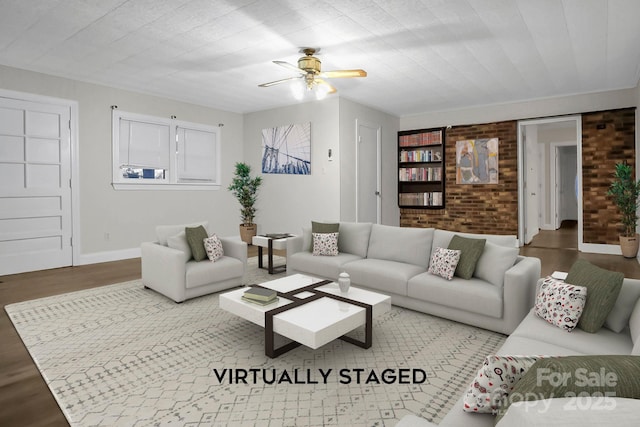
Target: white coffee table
[271,242]
[309,311]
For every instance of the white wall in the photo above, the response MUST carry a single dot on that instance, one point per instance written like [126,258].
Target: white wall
[286,203]
[547,107]
[349,113]
[130,217]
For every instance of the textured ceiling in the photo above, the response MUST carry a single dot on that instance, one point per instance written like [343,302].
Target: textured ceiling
[420,56]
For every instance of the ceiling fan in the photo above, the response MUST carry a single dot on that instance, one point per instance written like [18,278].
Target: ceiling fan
[310,73]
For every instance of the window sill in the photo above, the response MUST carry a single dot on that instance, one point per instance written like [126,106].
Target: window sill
[154,186]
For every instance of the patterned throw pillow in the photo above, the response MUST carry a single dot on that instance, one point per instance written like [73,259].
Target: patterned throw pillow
[443,262]
[213,246]
[560,304]
[325,244]
[494,381]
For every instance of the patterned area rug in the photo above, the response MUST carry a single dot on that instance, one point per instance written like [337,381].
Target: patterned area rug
[122,355]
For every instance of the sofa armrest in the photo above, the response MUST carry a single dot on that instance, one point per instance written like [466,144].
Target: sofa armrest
[163,270]
[294,244]
[519,290]
[236,248]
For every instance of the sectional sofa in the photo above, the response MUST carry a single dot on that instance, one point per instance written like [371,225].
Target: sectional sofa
[620,336]
[395,261]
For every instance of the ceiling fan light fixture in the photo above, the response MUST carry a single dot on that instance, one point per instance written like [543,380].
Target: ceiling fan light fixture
[298,89]
[321,92]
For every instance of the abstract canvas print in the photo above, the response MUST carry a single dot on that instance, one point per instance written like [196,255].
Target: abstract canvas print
[477,161]
[287,149]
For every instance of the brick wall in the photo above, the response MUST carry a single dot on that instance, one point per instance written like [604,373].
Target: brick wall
[476,208]
[493,209]
[601,150]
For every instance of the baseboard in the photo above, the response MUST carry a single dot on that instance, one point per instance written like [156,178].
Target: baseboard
[98,257]
[596,248]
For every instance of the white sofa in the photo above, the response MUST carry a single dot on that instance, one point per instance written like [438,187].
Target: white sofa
[168,267]
[394,261]
[535,336]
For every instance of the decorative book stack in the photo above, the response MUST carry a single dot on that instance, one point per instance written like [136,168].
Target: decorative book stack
[261,296]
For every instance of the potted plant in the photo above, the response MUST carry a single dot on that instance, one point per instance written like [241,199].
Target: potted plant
[625,192]
[245,189]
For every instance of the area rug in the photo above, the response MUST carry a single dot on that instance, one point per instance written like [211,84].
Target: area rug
[122,355]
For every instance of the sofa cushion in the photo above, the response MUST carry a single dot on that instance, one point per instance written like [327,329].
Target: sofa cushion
[383,275]
[179,242]
[204,273]
[570,376]
[473,295]
[441,238]
[494,263]
[603,342]
[402,244]
[559,303]
[470,251]
[325,244]
[323,227]
[444,262]
[163,232]
[354,238]
[213,247]
[603,287]
[495,379]
[618,318]
[195,238]
[523,345]
[585,411]
[321,266]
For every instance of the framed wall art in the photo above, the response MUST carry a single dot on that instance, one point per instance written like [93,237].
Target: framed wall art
[287,149]
[477,161]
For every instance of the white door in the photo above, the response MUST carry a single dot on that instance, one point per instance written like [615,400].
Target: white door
[531,184]
[368,168]
[35,186]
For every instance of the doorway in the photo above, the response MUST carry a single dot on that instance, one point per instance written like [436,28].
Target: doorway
[549,164]
[368,146]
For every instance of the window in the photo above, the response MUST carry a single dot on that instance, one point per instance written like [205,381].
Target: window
[152,152]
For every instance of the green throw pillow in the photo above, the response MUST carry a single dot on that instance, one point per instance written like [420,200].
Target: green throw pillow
[471,250]
[575,376]
[322,227]
[603,287]
[195,238]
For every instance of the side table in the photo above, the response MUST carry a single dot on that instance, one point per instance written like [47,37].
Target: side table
[271,242]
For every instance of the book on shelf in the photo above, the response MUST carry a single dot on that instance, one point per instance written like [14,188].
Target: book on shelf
[259,302]
[260,294]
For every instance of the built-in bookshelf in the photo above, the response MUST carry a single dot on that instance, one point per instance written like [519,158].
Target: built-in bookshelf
[421,168]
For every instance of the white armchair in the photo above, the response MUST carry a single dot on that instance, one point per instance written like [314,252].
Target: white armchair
[168,268]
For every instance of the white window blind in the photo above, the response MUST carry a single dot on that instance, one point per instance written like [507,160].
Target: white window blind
[197,154]
[144,145]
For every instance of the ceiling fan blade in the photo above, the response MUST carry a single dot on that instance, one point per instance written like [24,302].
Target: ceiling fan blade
[324,83]
[343,73]
[289,66]
[277,82]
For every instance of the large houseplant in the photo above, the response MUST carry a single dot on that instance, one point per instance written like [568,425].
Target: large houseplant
[245,189]
[625,191]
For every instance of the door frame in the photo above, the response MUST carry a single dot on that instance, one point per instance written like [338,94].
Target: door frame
[74,149]
[577,118]
[378,130]
[554,178]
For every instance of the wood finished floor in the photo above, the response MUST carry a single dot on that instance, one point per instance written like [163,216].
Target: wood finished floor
[25,399]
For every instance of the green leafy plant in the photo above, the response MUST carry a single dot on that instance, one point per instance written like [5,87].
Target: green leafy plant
[245,189]
[625,192]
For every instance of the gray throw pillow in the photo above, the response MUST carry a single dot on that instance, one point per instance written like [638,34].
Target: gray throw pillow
[195,238]
[322,227]
[471,249]
[603,287]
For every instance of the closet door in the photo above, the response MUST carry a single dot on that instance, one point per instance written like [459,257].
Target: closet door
[35,186]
